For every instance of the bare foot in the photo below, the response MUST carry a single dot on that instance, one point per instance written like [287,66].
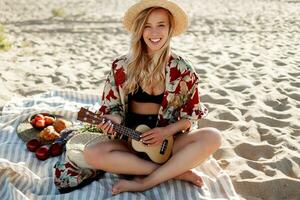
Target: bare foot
[124,185]
[191,176]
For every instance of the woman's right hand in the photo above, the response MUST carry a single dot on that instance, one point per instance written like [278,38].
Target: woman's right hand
[107,127]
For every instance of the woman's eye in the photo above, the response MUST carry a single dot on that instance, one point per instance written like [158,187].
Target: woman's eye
[161,25]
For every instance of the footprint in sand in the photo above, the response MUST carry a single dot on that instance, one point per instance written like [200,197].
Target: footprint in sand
[271,122]
[278,105]
[221,125]
[201,57]
[248,103]
[237,63]
[255,152]
[277,115]
[269,138]
[257,65]
[228,67]
[227,116]
[293,95]
[279,63]
[209,99]
[262,167]
[219,91]
[246,174]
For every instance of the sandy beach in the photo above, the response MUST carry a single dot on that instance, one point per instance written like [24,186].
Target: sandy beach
[246,54]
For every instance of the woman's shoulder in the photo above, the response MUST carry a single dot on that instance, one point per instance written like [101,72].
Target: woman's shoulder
[120,62]
[183,64]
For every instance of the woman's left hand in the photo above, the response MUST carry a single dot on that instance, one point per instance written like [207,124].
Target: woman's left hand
[154,136]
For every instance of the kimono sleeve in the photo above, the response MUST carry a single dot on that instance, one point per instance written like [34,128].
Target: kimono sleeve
[111,99]
[193,109]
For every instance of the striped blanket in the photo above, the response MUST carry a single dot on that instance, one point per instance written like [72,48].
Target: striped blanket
[22,176]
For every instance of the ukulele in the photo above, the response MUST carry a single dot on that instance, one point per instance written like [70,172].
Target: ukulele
[159,153]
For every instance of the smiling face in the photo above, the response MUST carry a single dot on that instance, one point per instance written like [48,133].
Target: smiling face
[156,30]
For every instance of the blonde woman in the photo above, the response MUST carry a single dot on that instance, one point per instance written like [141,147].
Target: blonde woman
[155,87]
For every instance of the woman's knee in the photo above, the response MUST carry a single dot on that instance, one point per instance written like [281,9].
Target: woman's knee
[93,153]
[212,138]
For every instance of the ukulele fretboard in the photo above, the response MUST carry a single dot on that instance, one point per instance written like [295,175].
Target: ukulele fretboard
[92,118]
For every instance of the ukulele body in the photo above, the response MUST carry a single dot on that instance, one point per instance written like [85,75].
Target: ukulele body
[159,153]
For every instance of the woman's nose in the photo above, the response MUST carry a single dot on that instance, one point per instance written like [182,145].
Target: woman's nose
[154,31]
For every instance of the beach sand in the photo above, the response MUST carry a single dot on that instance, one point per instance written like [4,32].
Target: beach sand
[246,54]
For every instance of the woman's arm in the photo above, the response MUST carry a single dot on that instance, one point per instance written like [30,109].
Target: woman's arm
[177,127]
[157,135]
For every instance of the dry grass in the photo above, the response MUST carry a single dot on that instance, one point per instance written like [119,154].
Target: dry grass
[5,45]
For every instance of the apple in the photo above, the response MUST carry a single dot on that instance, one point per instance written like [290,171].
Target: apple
[49,120]
[56,149]
[33,145]
[40,123]
[32,121]
[42,153]
[39,117]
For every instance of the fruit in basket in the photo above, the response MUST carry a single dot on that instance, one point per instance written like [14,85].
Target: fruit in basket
[33,145]
[41,120]
[42,153]
[49,120]
[49,133]
[60,124]
[40,123]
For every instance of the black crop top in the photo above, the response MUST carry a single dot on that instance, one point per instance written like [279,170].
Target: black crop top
[142,96]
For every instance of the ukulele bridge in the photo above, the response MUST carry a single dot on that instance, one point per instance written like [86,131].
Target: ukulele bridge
[164,146]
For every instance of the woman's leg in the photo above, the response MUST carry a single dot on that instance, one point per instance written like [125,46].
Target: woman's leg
[190,150]
[117,157]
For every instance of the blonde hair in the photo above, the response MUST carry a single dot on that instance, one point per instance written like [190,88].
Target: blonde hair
[143,69]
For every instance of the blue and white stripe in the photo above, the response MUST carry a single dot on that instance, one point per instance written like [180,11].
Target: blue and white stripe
[24,177]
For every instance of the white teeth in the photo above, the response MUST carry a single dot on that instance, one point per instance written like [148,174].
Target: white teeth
[154,40]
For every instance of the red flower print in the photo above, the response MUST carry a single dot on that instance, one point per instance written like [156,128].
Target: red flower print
[164,103]
[174,73]
[189,106]
[110,95]
[103,109]
[119,76]
[57,173]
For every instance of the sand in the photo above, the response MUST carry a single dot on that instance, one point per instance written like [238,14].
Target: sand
[246,54]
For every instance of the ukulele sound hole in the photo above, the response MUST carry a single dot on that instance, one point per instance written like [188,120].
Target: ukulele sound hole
[163,147]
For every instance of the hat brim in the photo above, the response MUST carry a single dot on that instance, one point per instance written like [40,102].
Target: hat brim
[179,15]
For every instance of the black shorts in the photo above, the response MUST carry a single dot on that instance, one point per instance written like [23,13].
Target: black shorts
[133,120]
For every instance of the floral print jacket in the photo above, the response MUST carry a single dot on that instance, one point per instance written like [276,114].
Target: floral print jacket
[181,98]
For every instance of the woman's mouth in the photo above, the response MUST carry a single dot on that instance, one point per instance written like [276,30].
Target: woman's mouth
[155,40]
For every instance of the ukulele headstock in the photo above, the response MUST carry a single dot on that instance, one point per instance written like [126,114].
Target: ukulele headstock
[85,115]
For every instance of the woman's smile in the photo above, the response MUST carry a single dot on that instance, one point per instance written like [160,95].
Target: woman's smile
[155,41]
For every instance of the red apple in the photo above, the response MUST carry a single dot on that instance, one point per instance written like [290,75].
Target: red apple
[56,149]
[49,120]
[33,144]
[42,153]
[39,117]
[40,123]
[33,121]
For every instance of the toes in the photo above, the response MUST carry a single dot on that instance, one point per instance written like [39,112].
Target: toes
[116,189]
[199,182]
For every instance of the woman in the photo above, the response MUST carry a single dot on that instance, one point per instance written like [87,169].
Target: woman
[152,86]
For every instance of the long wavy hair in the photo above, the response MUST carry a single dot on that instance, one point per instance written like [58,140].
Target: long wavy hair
[142,69]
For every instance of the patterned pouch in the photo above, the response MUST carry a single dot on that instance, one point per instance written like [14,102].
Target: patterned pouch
[69,177]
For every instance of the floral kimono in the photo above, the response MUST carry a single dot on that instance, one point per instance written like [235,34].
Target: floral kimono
[181,98]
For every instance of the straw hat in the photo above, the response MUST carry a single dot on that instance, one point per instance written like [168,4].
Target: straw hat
[179,15]
[76,145]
